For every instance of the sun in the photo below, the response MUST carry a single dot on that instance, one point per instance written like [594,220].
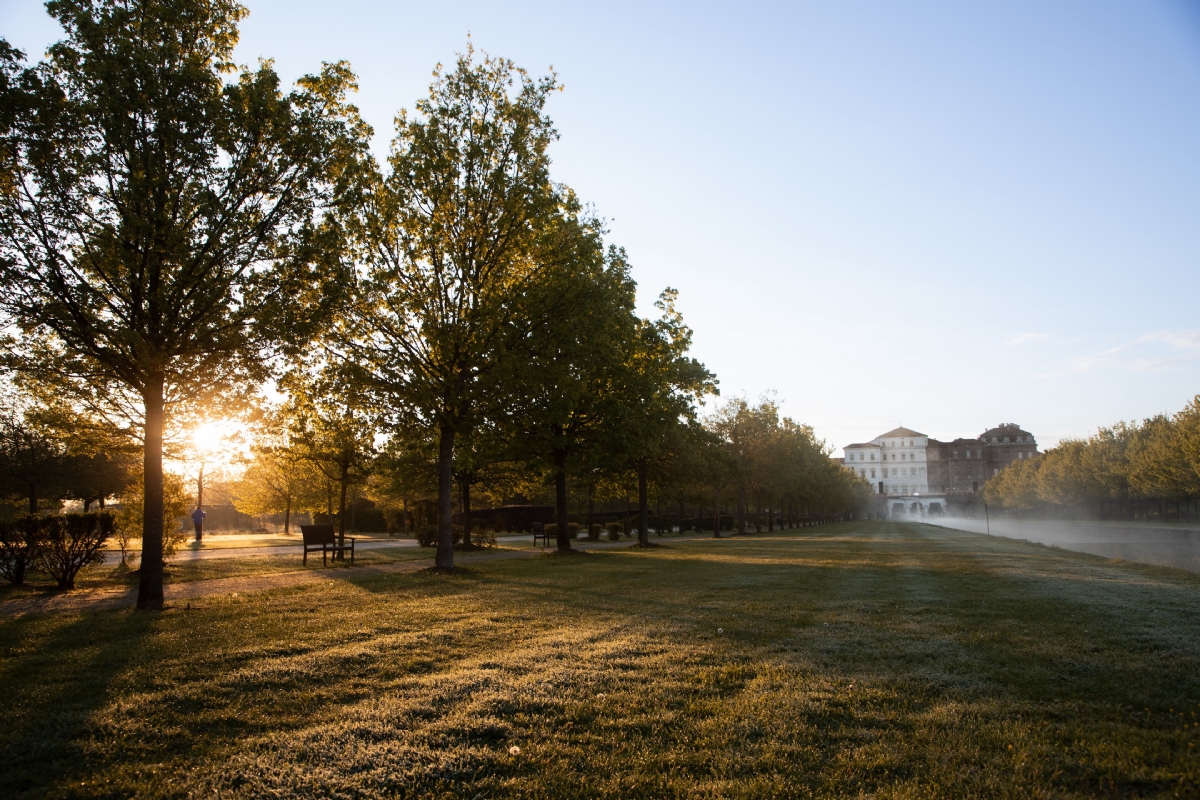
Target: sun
[216,438]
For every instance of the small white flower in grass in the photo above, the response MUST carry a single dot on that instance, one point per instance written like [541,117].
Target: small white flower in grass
[514,751]
[720,630]
[601,696]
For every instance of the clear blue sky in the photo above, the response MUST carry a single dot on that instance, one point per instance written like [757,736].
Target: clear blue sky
[947,215]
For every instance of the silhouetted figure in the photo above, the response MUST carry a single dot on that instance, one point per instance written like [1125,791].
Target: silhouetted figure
[198,520]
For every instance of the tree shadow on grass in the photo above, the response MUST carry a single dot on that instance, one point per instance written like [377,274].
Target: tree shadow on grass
[56,675]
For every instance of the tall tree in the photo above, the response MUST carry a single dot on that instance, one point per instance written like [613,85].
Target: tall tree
[331,428]
[565,382]
[661,388]
[145,208]
[277,479]
[33,463]
[450,236]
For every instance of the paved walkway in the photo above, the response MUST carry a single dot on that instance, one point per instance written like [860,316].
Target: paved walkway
[189,551]
[101,599]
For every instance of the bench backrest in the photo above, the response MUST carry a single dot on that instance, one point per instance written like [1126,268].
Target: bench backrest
[317,534]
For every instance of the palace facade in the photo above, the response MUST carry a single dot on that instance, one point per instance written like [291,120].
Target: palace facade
[908,463]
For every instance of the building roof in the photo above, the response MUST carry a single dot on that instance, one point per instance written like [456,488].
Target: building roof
[900,432]
[1010,429]
[861,444]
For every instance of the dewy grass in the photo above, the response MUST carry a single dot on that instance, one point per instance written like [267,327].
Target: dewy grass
[866,659]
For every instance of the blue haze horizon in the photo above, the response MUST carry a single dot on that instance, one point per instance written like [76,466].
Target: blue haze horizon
[927,214]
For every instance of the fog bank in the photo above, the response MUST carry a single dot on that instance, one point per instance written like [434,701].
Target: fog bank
[1164,545]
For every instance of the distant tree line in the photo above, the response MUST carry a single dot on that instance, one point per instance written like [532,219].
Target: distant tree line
[176,230]
[1132,470]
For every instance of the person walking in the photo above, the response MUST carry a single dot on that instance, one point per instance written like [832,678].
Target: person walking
[198,520]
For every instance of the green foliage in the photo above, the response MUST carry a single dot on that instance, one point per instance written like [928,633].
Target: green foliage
[775,461]
[71,542]
[158,218]
[1155,460]
[20,546]
[177,504]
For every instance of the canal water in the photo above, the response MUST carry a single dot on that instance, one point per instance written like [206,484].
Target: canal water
[1164,545]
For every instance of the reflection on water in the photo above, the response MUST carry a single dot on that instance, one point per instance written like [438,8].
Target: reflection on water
[1169,546]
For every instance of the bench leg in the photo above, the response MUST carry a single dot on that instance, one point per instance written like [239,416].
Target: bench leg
[351,553]
[324,562]
[306,556]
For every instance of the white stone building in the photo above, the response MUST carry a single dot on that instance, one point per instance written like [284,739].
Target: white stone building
[893,462]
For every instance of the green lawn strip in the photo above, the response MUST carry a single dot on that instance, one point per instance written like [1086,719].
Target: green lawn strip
[874,658]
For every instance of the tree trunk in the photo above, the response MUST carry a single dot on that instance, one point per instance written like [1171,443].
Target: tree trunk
[444,558]
[626,515]
[717,513]
[287,517]
[591,507]
[33,498]
[344,481]
[563,537]
[150,576]
[770,514]
[643,505]
[466,512]
[741,510]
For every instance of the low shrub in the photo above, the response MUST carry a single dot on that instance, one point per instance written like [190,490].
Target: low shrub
[427,535]
[20,545]
[552,529]
[594,532]
[72,542]
[614,531]
[573,529]
[125,536]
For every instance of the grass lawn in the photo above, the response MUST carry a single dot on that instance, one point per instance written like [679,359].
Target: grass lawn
[857,660]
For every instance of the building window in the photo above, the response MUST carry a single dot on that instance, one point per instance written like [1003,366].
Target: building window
[872,456]
[872,473]
[902,456]
[922,470]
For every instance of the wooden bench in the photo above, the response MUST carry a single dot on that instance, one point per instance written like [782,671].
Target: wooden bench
[322,537]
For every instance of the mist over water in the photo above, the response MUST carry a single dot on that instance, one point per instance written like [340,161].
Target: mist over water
[1163,545]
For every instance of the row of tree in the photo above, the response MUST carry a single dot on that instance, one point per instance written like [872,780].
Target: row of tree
[176,231]
[741,461]
[1147,469]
